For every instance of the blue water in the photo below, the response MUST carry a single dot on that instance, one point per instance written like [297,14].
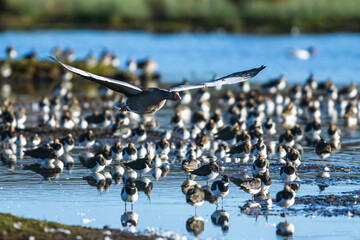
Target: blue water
[199,56]
[70,200]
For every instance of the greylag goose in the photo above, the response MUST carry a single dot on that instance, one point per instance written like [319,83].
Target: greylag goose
[149,100]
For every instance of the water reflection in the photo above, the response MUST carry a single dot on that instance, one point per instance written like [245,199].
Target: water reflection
[221,218]
[145,185]
[335,144]
[129,219]
[96,180]
[156,173]
[195,225]
[68,161]
[285,229]
[323,183]
[8,158]
[165,168]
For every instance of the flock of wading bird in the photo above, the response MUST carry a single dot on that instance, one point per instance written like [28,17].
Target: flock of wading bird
[204,141]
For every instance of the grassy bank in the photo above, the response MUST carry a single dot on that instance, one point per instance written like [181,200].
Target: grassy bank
[15,228]
[260,16]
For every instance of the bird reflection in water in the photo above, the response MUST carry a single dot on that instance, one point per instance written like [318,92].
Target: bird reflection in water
[145,185]
[156,173]
[195,225]
[129,219]
[165,169]
[285,229]
[96,180]
[221,218]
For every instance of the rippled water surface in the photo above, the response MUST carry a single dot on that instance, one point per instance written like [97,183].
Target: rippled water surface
[70,200]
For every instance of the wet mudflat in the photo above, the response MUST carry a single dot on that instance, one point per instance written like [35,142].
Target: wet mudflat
[321,203]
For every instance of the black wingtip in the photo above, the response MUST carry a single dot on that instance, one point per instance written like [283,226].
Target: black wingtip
[52,58]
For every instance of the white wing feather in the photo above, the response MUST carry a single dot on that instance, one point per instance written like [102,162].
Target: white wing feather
[229,79]
[99,79]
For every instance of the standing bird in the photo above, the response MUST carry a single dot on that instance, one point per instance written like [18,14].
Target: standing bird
[269,126]
[139,134]
[287,139]
[58,147]
[189,164]
[106,154]
[265,182]
[252,186]
[35,140]
[87,139]
[162,148]
[195,196]
[323,148]
[41,153]
[207,172]
[68,143]
[129,193]
[221,188]
[261,165]
[116,151]
[142,165]
[150,100]
[288,172]
[294,156]
[241,151]
[95,164]
[334,133]
[297,132]
[130,153]
[285,198]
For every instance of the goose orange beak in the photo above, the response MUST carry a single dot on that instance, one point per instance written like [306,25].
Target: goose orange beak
[177,96]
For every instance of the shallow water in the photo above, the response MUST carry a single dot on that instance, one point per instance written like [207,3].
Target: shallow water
[70,200]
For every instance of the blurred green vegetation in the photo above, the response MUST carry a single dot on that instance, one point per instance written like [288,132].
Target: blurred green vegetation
[260,16]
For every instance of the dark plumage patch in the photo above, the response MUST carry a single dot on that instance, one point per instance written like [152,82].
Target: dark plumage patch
[284,195]
[289,170]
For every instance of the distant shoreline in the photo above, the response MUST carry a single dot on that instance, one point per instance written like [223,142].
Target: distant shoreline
[251,26]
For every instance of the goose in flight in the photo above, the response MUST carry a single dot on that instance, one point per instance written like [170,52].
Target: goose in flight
[149,100]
